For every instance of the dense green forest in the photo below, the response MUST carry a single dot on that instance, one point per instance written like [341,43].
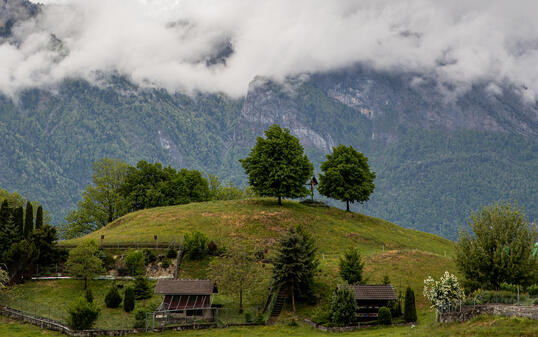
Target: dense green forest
[427,177]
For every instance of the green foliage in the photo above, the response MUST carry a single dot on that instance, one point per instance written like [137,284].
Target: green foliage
[499,248]
[295,263]
[129,300]
[321,315]
[410,310]
[151,185]
[140,317]
[149,256]
[351,266]
[230,191]
[101,201]
[195,245]
[172,253]
[384,316]
[346,176]
[82,315]
[236,273]
[39,217]
[135,261]
[28,219]
[18,220]
[19,259]
[89,295]
[533,289]
[83,262]
[142,288]
[165,264]
[113,298]
[343,307]
[386,280]
[277,165]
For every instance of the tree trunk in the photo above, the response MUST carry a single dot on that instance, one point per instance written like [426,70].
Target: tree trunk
[292,297]
[280,200]
[347,206]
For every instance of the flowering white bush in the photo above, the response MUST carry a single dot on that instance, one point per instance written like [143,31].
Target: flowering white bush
[443,293]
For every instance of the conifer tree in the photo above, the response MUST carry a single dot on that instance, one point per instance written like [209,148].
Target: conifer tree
[351,266]
[39,217]
[5,212]
[18,219]
[296,263]
[410,310]
[29,219]
[129,300]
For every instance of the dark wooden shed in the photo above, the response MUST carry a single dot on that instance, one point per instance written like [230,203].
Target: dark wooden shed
[371,297]
[190,297]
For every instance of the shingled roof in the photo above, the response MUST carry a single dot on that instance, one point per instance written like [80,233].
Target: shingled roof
[373,292]
[184,287]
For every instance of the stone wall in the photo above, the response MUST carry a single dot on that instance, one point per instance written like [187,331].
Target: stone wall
[469,312]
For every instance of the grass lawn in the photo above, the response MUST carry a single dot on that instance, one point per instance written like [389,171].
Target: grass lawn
[51,298]
[494,326]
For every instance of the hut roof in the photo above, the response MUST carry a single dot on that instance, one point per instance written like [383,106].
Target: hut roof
[373,292]
[185,287]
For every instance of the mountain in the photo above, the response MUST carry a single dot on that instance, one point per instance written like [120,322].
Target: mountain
[437,156]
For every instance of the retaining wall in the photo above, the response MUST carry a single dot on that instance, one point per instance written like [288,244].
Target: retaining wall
[469,312]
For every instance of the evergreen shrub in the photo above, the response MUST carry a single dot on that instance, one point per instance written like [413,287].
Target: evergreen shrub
[410,310]
[383,316]
[82,314]
[129,300]
[113,297]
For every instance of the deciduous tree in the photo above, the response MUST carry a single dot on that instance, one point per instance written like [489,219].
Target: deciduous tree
[499,249]
[277,165]
[346,176]
[83,262]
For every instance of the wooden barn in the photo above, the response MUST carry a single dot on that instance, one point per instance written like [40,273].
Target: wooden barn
[186,298]
[370,298]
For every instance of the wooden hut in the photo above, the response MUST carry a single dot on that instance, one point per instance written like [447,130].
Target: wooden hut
[370,298]
[186,298]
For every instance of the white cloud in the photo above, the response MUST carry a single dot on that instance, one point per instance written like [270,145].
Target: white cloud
[165,43]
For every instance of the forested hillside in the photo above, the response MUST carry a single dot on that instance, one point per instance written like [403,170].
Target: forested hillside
[435,160]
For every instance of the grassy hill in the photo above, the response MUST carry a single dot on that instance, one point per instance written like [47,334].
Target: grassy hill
[406,256]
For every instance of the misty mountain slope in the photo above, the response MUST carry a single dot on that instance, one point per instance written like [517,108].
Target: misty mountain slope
[49,141]
[436,159]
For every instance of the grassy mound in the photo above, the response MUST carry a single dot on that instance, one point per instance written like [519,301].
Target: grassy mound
[261,222]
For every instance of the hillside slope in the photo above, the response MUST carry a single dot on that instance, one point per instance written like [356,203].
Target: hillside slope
[388,248]
[261,222]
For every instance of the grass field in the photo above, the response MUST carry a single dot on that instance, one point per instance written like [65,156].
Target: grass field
[51,298]
[493,326]
[261,222]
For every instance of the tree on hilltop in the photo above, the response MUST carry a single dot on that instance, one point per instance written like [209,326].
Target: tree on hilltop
[346,176]
[277,165]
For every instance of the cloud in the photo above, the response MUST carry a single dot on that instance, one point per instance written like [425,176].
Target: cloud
[220,46]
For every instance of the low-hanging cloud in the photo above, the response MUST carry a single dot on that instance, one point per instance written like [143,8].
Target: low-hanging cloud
[220,46]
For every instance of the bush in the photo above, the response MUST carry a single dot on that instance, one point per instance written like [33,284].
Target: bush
[140,317]
[321,315]
[82,314]
[293,322]
[410,310]
[108,261]
[533,290]
[171,253]
[259,254]
[113,297]
[129,300]
[195,245]
[149,256]
[142,288]
[89,295]
[535,301]
[259,319]
[386,280]
[135,261]
[383,316]
[343,307]
[165,264]
[248,317]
